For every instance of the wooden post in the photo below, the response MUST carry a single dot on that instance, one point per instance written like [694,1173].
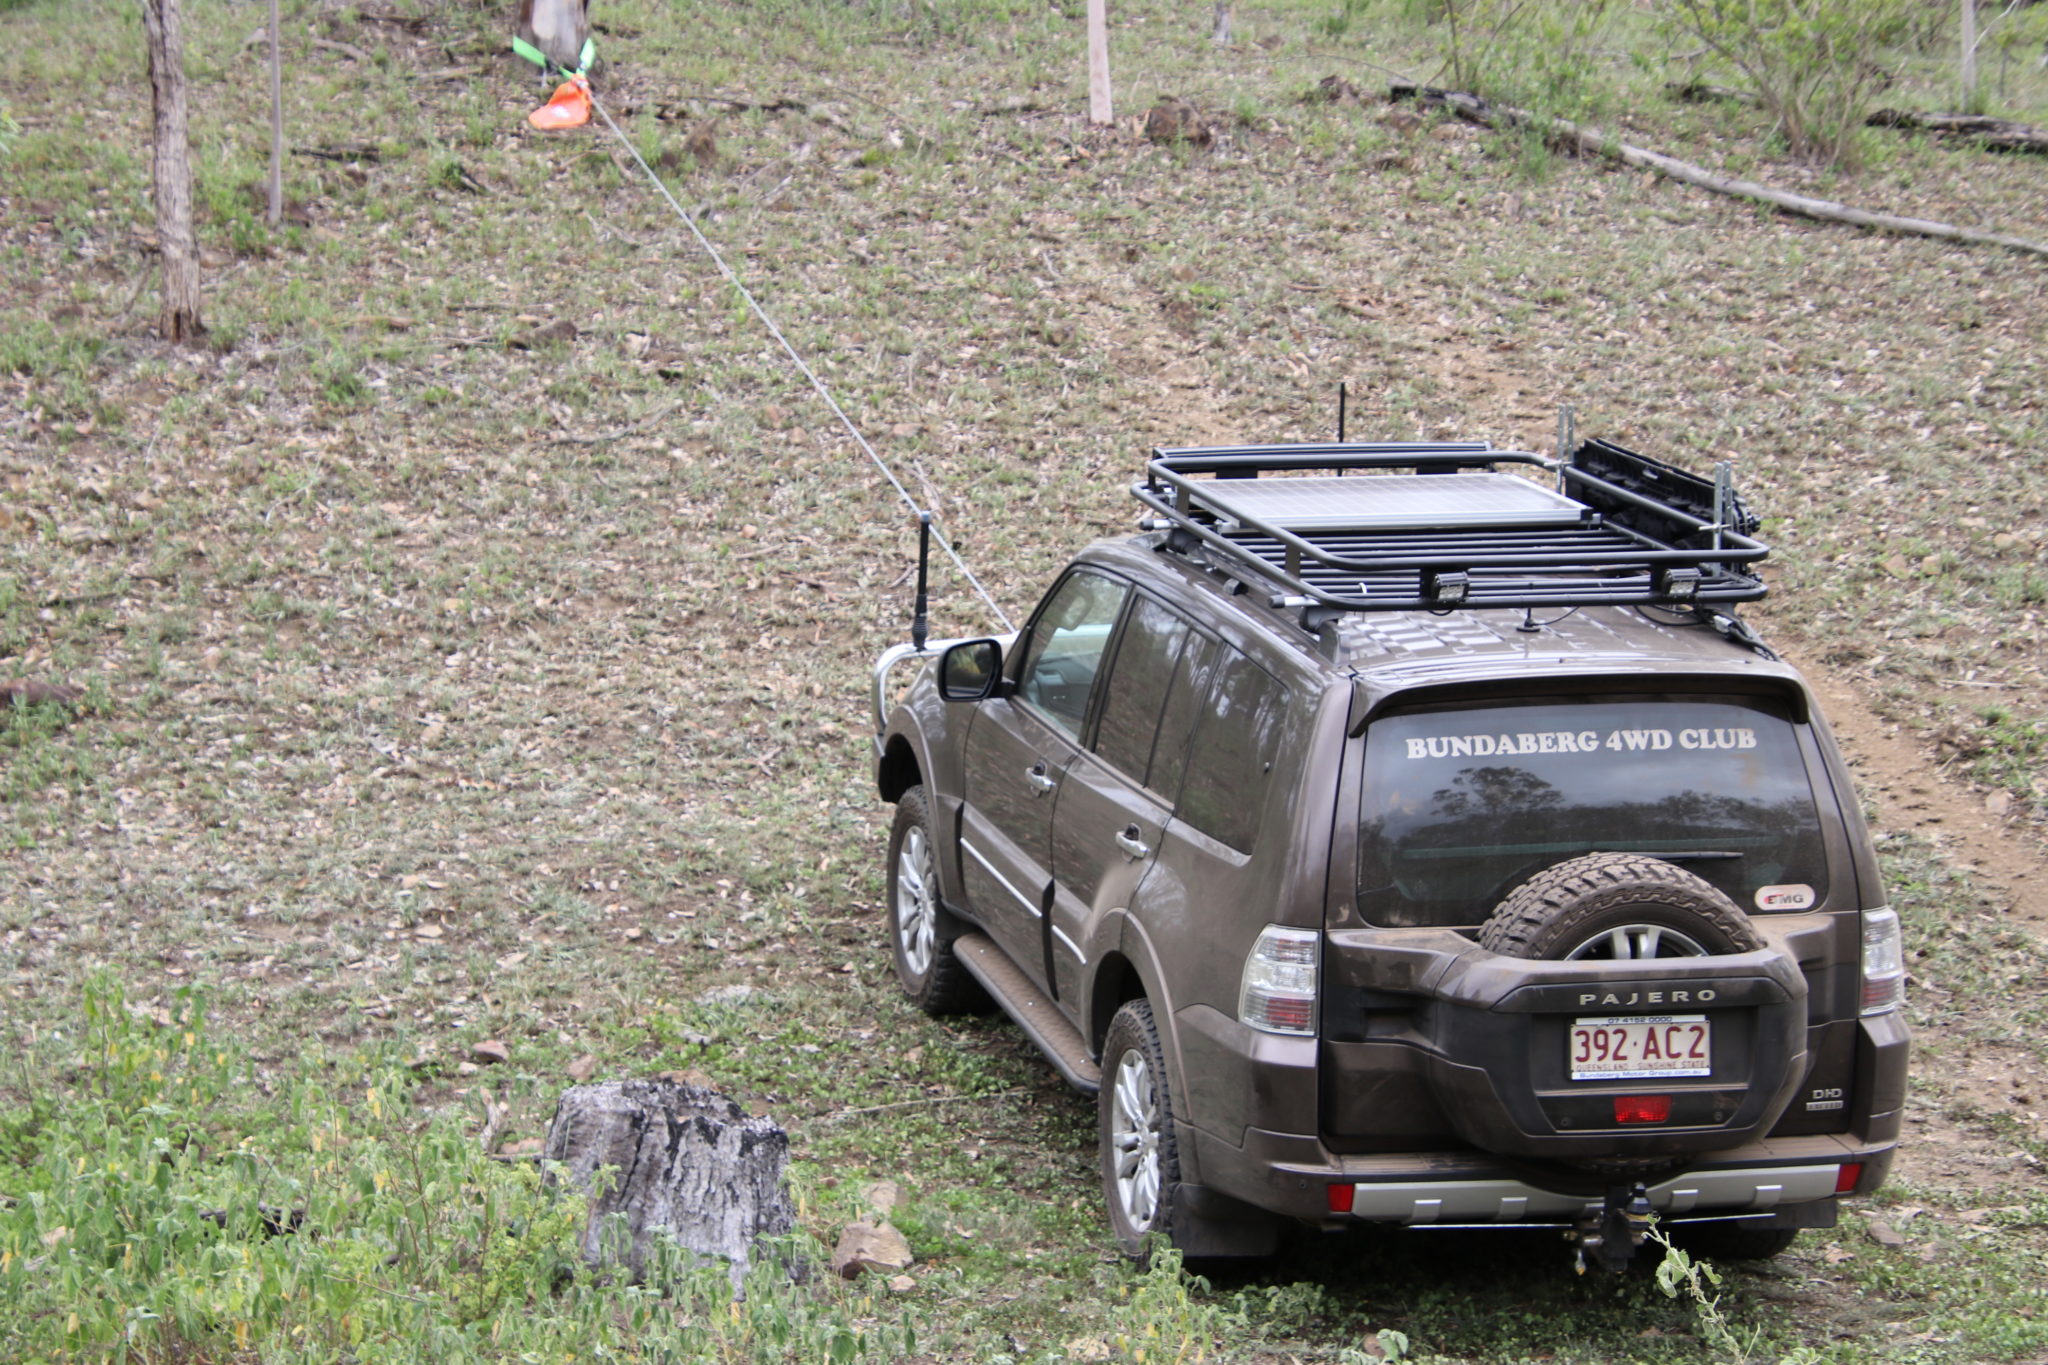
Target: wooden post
[1099,112]
[276,118]
[1969,65]
[171,167]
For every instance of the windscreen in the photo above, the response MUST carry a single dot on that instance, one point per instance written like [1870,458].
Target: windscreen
[1463,804]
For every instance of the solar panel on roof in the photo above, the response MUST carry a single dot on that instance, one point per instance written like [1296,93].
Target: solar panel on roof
[1393,502]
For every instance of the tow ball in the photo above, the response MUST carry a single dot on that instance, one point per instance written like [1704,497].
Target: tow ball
[1609,1238]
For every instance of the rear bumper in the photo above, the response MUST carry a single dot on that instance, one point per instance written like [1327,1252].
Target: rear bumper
[1786,1182]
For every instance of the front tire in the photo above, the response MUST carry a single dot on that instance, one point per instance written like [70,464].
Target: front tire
[1140,1161]
[921,929]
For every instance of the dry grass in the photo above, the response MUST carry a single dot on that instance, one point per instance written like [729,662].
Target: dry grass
[420,716]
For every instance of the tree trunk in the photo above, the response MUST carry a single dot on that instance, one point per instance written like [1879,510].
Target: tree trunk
[1099,111]
[276,118]
[689,1165]
[1969,62]
[171,166]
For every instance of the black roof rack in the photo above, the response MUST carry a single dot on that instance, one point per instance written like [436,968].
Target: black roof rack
[1342,527]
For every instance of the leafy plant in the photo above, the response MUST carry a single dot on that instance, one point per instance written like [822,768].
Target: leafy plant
[1812,63]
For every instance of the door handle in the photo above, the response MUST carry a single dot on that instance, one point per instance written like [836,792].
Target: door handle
[1134,847]
[1037,776]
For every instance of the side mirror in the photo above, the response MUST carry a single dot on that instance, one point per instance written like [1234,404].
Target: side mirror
[970,670]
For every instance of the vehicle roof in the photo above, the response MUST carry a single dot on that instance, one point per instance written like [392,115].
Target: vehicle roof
[1398,651]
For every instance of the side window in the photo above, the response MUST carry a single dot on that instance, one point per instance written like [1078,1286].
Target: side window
[1184,698]
[1065,651]
[1138,683]
[1230,766]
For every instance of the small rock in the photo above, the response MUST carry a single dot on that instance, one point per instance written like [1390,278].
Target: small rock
[689,1076]
[490,1052]
[881,1197]
[635,934]
[429,931]
[902,1284]
[701,145]
[1333,90]
[1885,1235]
[868,1246]
[466,1068]
[559,330]
[1175,120]
[1998,803]
[35,691]
[583,1068]
[524,1149]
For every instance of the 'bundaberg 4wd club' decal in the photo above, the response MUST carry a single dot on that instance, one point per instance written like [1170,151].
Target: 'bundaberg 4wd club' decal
[1581,742]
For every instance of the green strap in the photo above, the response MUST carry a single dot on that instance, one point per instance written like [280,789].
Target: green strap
[522,48]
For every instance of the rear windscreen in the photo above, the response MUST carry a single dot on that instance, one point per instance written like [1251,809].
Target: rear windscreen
[1463,804]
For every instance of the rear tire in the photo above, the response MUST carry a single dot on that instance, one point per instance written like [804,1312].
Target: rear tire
[1617,905]
[1140,1160]
[921,929]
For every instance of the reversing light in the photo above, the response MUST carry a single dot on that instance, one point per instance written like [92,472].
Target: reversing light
[1642,1108]
[1884,963]
[1847,1177]
[1278,994]
[1341,1197]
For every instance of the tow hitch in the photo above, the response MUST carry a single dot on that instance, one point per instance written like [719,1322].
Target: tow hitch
[1610,1237]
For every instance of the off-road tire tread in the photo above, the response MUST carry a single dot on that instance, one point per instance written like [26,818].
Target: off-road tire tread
[1539,918]
[946,987]
[1134,1026]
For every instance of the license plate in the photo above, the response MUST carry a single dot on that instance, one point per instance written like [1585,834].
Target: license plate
[1641,1047]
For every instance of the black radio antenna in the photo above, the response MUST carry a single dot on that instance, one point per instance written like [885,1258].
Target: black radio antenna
[1340,412]
[920,625]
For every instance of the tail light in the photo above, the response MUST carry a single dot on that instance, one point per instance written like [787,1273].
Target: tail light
[1278,994]
[1884,962]
[1847,1178]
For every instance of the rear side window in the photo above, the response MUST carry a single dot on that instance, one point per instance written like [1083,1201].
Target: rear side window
[1462,805]
[1139,681]
[1230,763]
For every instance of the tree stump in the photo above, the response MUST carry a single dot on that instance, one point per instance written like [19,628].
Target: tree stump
[688,1164]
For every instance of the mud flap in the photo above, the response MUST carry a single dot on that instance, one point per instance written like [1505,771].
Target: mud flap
[1210,1226]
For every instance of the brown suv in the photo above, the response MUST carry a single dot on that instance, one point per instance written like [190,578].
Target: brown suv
[1412,834]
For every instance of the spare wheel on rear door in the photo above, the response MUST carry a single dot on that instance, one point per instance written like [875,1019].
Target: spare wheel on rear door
[1617,906]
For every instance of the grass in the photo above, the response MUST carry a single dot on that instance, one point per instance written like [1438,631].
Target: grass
[450,689]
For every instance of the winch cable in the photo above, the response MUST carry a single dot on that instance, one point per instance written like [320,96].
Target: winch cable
[817,384]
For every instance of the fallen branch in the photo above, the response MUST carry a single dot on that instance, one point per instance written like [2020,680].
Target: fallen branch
[1997,134]
[348,50]
[1994,134]
[1589,140]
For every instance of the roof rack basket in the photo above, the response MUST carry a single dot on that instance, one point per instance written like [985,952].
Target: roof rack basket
[1433,527]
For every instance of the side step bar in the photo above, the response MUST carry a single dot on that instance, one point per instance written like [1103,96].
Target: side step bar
[1041,1021]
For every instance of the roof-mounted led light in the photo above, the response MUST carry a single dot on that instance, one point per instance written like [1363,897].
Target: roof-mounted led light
[1447,589]
[1676,585]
